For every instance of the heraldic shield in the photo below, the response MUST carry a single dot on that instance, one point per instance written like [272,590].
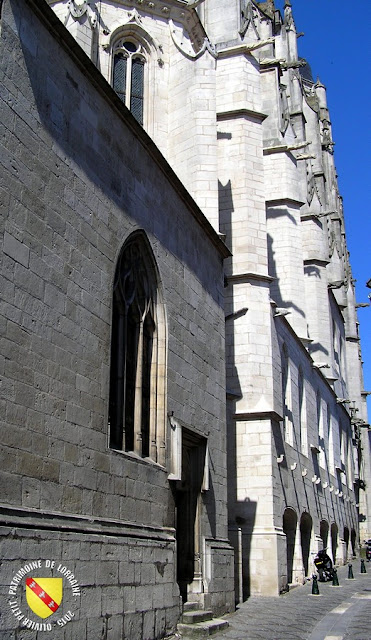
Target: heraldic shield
[44,595]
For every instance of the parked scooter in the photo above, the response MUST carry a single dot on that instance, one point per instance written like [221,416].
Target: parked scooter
[324,566]
[368,550]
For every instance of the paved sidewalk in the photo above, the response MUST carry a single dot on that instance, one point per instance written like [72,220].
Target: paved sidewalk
[338,613]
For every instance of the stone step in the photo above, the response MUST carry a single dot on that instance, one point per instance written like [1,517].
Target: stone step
[191,617]
[202,629]
[191,606]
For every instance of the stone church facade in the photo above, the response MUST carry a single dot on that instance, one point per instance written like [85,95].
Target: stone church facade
[185,416]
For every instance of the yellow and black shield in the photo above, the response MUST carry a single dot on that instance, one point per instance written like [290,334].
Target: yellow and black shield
[44,595]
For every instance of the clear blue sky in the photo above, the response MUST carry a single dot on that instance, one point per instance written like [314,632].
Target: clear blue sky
[337,46]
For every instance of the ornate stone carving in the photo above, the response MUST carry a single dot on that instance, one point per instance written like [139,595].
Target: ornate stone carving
[285,113]
[190,41]
[78,8]
[327,142]
[249,16]
[288,19]
[310,183]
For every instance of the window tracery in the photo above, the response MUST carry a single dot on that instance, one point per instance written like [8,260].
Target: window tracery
[129,58]
[136,402]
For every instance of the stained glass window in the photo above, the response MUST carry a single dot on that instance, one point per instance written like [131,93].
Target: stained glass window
[128,76]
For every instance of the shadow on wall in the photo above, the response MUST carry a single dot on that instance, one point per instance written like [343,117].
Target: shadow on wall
[226,209]
[276,293]
[241,514]
[272,270]
[241,532]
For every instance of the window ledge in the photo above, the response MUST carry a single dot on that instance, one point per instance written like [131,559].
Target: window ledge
[131,455]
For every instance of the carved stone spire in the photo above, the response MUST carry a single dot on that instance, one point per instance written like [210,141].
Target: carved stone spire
[268,7]
[288,18]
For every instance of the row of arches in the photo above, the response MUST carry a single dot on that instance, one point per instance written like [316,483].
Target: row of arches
[303,542]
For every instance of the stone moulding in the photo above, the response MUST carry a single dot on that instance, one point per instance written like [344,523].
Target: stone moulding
[69,523]
[258,415]
[249,114]
[284,201]
[246,277]
[314,261]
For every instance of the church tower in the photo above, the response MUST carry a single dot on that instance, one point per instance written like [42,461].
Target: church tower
[225,96]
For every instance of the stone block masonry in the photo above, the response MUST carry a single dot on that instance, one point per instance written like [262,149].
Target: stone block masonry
[74,190]
[110,581]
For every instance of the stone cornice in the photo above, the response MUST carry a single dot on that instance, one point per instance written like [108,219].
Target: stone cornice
[257,415]
[71,523]
[233,114]
[246,277]
[310,216]
[316,261]
[281,201]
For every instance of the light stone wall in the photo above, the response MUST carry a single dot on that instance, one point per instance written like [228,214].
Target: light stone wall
[286,261]
[222,20]
[242,211]
[192,144]
[281,177]
[239,81]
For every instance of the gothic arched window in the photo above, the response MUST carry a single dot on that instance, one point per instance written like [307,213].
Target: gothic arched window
[128,75]
[137,386]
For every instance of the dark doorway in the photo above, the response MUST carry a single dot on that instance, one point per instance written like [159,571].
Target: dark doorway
[305,536]
[290,520]
[353,539]
[346,541]
[188,516]
[323,532]
[334,540]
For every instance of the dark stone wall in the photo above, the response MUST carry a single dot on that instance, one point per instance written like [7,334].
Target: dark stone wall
[78,175]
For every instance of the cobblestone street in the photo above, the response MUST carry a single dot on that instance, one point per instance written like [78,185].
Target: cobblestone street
[338,613]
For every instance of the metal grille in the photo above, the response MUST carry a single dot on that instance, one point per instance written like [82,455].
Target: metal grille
[119,75]
[136,99]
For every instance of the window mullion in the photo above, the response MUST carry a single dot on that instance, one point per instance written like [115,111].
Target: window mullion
[153,435]
[121,391]
[128,82]
[138,394]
